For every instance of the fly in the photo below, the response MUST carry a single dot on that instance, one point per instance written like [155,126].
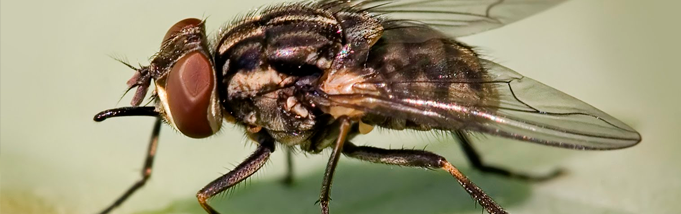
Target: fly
[313,75]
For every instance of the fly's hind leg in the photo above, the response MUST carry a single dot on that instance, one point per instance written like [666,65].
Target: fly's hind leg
[418,158]
[476,162]
[146,171]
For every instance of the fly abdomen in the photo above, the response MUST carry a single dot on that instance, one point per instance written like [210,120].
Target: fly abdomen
[417,64]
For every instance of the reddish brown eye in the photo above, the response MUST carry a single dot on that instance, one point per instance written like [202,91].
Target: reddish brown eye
[189,87]
[189,22]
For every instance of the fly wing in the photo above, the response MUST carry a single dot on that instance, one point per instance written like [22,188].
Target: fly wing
[523,109]
[455,18]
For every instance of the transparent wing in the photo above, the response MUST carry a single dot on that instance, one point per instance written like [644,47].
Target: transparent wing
[455,18]
[524,109]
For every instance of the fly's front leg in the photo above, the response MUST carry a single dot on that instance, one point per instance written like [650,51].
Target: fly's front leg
[344,129]
[476,162]
[146,170]
[418,158]
[244,170]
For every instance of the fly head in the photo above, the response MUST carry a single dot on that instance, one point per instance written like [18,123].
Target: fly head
[185,86]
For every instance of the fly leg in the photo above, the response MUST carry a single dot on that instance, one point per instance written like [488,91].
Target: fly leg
[418,158]
[244,170]
[476,162]
[146,171]
[288,178]
[344,129]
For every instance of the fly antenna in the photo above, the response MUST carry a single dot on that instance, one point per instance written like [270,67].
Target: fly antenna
[125,62]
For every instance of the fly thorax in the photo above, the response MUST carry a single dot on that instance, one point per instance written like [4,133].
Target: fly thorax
[261,57]
[266,98]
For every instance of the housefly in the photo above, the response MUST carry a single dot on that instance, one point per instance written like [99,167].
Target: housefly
[313,75]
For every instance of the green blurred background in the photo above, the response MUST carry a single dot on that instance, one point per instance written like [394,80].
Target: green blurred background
[618,55]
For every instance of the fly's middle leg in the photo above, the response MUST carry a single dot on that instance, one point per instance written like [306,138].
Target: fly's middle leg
[288,178]
[344,128]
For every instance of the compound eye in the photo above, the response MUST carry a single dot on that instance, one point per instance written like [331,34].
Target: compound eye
[189,22]
[189,88]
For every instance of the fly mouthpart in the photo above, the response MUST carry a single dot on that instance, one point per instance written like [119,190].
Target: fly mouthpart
[141,79]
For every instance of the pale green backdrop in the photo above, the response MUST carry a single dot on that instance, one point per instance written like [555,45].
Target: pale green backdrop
[621,56]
